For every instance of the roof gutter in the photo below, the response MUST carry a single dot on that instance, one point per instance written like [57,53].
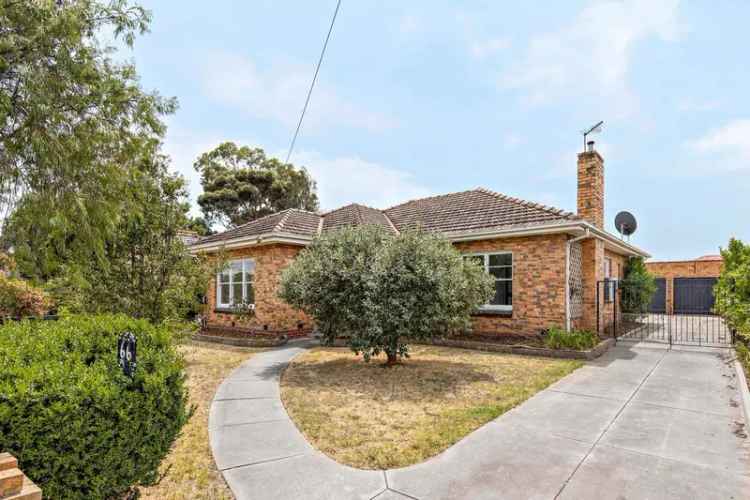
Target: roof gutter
[255,240]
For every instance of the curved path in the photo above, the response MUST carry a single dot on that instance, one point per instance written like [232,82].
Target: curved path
[636,423]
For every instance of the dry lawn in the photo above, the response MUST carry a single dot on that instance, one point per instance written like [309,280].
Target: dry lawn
[189,470]
[372,417]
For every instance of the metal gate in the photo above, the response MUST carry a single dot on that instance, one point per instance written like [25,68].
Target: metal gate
[619,318]
[659,300]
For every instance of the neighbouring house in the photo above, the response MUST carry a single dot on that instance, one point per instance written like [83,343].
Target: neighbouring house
[549,265]
[685,286]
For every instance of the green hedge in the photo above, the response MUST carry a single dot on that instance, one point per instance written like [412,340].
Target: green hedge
[78,426]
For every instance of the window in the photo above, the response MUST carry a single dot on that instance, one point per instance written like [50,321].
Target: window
[607,267]
[499,265]
[235,284]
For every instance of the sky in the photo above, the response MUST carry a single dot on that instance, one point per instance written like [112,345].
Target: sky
[428,97]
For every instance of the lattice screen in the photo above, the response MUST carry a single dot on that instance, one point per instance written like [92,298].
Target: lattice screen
[575,281]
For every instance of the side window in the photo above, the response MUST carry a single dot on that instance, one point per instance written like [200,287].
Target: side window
[234,284]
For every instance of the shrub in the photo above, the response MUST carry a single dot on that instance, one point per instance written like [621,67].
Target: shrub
[580,340]
[732,291]
[382,290]
[18,299]
[638,286]
[79,427]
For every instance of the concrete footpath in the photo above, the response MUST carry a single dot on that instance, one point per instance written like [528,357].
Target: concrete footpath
[640,422]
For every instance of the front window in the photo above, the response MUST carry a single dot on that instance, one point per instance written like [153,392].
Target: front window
[500,266]
[235,284]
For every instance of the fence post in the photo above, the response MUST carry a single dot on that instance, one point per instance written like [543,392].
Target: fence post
[598,327]
[734,335]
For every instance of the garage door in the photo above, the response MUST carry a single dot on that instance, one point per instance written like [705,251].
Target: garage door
[693,295]
[659,299]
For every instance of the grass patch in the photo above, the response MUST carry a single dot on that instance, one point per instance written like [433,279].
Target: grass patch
[189,470]
[579,340]
[743,355]
[371,417]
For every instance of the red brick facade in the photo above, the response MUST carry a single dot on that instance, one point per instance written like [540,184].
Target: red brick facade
[270,261]
[699,268]
[538,284]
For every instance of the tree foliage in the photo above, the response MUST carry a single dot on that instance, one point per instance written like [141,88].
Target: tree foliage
[381,290]
[72,121]
[146,270]
[241,184]
[732,290]
[638,286]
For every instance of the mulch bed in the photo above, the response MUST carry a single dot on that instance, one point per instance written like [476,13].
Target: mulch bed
[502,339]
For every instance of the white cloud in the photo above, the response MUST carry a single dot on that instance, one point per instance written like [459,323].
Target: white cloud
[482,49]
[350,179]
[591,56]
[731,142]
[278,94]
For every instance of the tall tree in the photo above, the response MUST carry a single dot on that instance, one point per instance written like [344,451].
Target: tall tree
[241,184]
[72,121]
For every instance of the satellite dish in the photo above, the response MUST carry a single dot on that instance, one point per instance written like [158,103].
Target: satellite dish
[625,223]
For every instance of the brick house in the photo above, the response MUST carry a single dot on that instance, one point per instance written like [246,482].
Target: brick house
[547,262]
[685,286]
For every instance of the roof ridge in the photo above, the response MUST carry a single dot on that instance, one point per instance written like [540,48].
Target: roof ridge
[527,203]
[283,220]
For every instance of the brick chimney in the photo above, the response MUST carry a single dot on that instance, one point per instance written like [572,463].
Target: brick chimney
[591,186]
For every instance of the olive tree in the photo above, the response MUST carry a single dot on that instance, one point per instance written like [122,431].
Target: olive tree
[381,291]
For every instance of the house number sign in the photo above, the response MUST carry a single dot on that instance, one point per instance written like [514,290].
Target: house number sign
[126,352]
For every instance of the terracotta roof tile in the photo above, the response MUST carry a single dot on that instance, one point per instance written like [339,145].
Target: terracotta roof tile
[477,209]
[472,210]
[355,215]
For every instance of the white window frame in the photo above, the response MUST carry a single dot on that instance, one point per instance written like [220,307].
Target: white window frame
[246,263]
[486,257]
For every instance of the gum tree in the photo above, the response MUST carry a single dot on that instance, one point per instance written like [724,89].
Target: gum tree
[381,291]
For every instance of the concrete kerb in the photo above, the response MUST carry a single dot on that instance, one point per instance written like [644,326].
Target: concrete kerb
[744,392]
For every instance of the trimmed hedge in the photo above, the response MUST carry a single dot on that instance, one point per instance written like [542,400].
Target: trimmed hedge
[79,427]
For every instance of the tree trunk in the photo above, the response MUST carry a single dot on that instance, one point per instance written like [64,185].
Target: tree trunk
[392,358]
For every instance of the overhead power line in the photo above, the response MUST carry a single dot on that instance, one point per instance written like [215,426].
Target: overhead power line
[312,84]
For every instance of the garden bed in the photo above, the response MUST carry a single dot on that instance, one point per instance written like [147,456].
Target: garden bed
[368,416]
[525,345]
[246,340]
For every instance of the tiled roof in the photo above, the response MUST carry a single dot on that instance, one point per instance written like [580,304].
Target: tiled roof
[291,221]
[472,210]
[478,209]
[710,257]
[355,215]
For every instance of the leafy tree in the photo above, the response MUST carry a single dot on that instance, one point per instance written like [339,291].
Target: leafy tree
[199,225]
[381,290]
[732,291]
[146,271]
[638,286]
[241,184]
[72,121]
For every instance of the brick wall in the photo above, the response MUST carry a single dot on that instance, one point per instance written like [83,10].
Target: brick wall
[591,188]
[538,283]
[270,261]
[682,269]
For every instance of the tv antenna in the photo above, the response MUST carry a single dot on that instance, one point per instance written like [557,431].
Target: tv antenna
[593,130]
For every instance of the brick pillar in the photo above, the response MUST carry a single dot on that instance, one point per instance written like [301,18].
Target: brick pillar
[591,187]
[592,257]
[14,485]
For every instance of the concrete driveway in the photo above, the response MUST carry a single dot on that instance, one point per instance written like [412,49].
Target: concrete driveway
[640,422]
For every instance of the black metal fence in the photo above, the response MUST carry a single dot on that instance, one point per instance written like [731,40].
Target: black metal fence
[626,313]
